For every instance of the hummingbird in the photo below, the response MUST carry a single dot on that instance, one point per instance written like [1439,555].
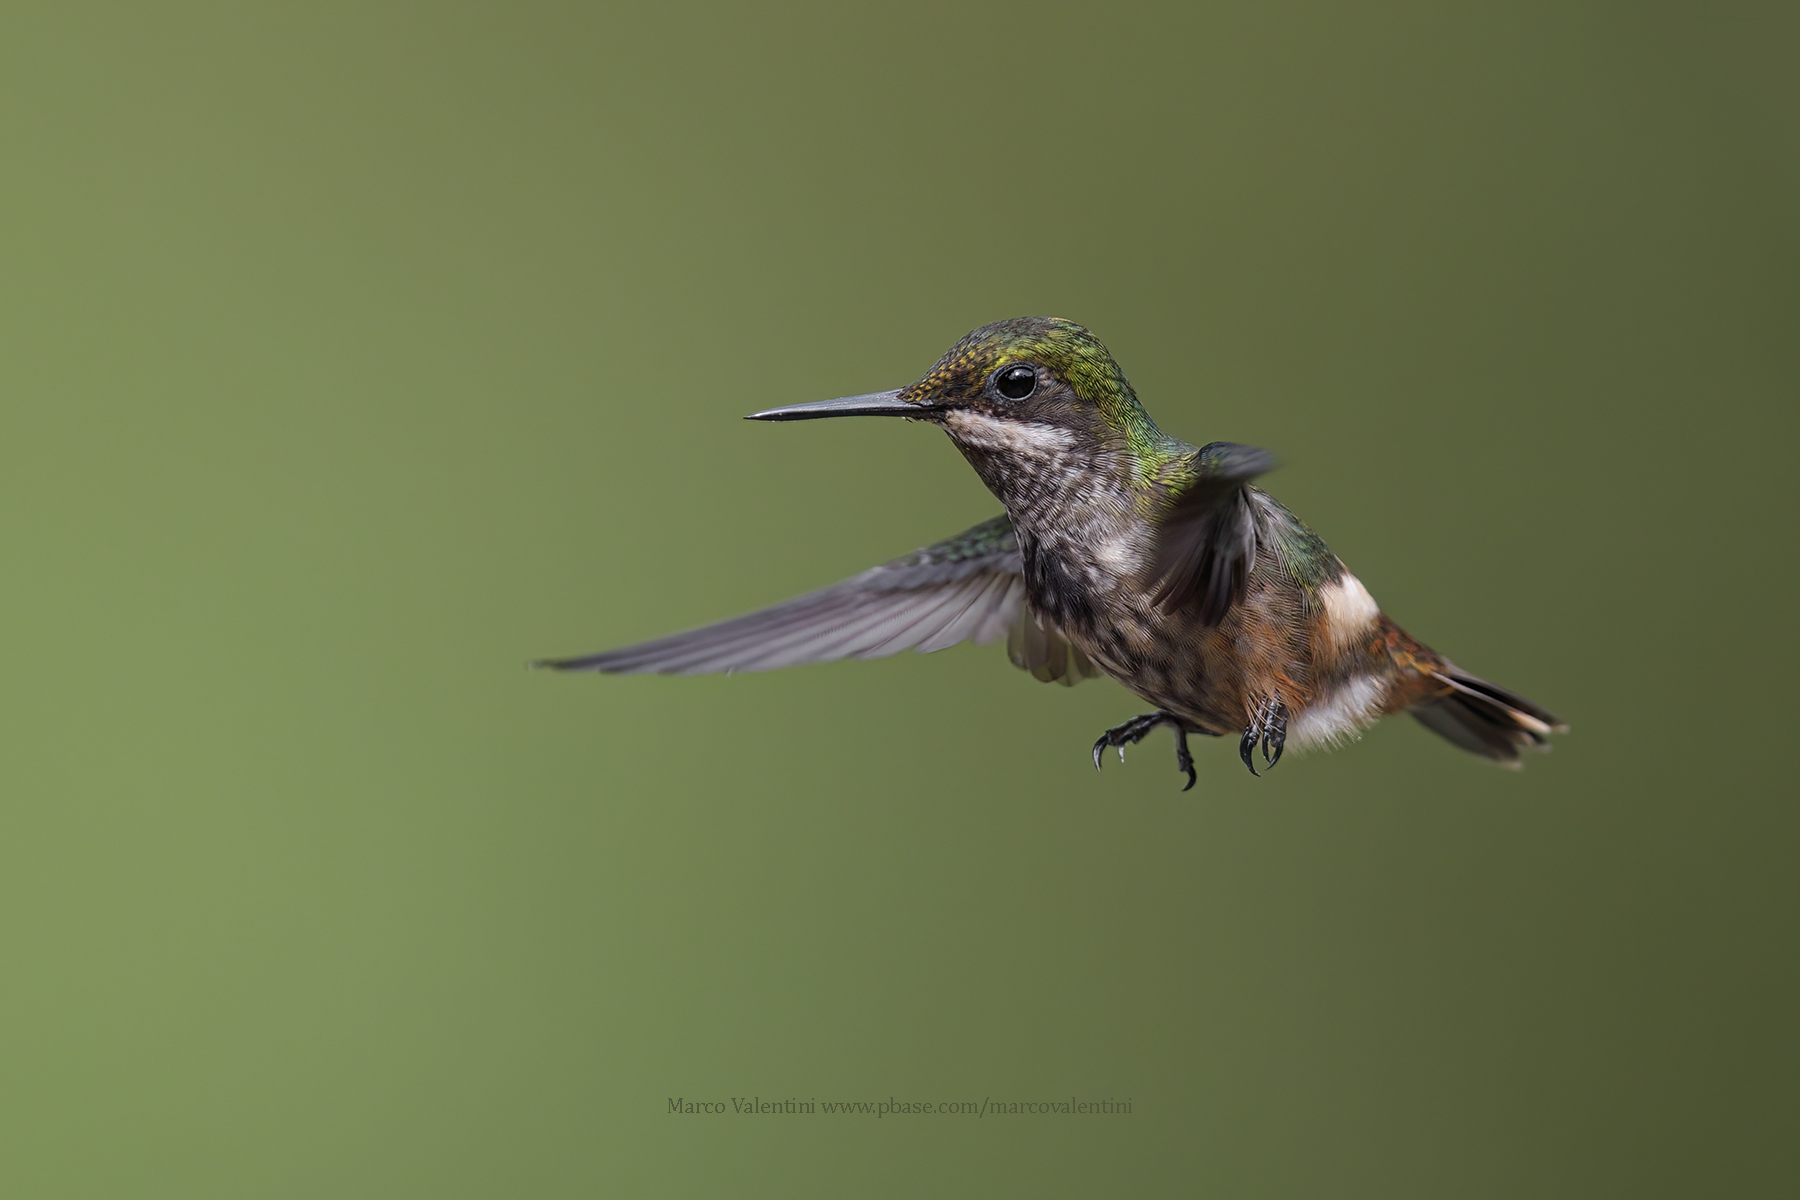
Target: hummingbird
[1122,552]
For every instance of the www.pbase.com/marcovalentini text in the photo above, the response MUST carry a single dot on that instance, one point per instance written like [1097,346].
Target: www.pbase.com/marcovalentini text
[891,1107]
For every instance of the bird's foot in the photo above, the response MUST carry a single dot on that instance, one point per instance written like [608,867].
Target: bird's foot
[1268,725]
[1134,731]
[1184,762]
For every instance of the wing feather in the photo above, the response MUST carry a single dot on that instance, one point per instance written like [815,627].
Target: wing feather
[966,625]
[1207,541]
[966,588]
[883,631]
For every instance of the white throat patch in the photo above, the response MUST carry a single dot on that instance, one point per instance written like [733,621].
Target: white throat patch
[1025,439]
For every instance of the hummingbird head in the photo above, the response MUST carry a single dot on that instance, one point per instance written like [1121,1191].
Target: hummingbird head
[1017,392]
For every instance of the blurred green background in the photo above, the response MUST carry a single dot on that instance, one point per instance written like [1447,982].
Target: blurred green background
[352,355]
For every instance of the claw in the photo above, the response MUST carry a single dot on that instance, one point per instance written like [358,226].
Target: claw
[1244,748]
[1274,731]
[1183,760]
[1136,729]
[1267,727]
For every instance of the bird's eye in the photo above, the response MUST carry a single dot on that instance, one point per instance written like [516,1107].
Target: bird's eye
[1016,383]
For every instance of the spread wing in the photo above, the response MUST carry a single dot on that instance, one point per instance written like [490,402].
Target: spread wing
[1206,544]
[966,588]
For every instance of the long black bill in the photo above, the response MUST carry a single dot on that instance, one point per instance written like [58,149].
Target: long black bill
[875,404]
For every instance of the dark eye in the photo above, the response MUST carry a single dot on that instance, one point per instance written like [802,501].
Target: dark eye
[1016,383]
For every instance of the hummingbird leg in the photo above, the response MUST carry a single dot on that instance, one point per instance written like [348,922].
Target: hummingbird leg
[1268,725]
[1135,730]
[1274,732]
[1130,733]
[1183,760]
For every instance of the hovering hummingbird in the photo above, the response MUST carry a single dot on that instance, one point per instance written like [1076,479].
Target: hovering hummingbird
[1122,552]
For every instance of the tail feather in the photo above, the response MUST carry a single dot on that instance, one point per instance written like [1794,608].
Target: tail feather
[1485,719]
